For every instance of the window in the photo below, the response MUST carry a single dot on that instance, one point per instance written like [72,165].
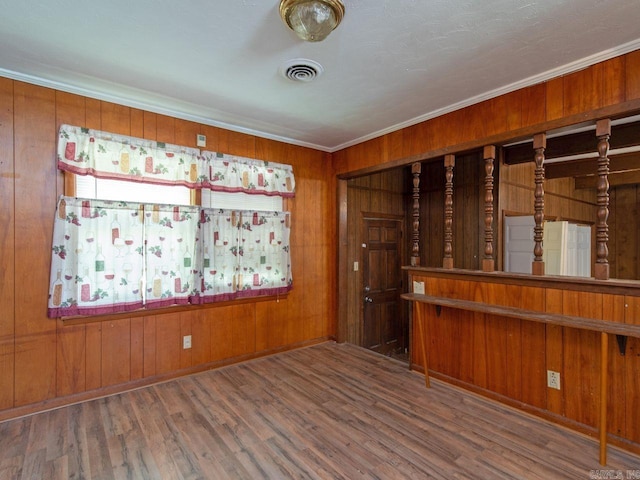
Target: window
[133,236]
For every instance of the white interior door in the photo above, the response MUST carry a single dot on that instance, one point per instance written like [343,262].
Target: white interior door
[554,245]
[518,243]
[583,251]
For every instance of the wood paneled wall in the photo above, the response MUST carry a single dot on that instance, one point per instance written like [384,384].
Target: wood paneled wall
[605,88]
[624,232]
[509,357]
[468,211]
[44,362]
[377,193]
[491,353]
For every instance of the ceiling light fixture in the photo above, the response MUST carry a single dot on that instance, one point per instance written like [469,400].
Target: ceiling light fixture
[312,20]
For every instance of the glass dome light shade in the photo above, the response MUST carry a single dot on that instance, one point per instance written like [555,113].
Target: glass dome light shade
[312,20]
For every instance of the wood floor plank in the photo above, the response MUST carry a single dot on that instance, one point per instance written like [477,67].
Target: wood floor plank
[331,411]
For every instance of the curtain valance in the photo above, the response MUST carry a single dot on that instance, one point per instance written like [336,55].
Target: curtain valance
[229,173]
[105,155]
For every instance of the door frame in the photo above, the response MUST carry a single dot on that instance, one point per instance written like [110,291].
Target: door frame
[401,252]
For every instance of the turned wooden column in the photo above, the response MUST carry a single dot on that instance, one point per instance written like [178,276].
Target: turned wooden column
[449,163]
[539,145]
[603,132]
[416,169]
[488,262]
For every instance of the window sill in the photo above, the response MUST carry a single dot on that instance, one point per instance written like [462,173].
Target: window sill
[80,320]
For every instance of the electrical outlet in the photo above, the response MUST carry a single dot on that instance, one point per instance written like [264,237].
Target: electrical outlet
[186,342]
[553,379]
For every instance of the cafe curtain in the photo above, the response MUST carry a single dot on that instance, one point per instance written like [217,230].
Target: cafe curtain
[112,257]
[243,254]
[117,256]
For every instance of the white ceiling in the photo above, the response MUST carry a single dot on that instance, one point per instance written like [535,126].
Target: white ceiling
[390,64]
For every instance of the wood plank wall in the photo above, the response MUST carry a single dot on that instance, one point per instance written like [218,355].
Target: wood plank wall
[509,358]
[624,232]
[506,357]
[613,84]
[44,362]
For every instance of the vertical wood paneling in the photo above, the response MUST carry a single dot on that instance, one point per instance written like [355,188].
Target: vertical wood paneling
[555,350]
[35,139]
[137,348]
[168,343]
[186,354]
[137,123]
[93,113]
[52,359]
[583,90]
[221,323]
[150,347]
[243,333]
[632,75]
[116,352]
[165,129]
[613,309]
[7,244]
[115,118]
[534,105]
[70,359]
[613,81]
[581,372]
[631,373]
[71,347]
[271,324]
[93,339]
[201,338]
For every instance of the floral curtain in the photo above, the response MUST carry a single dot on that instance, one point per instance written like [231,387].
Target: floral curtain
[106,155]
[110,257]
[244,254]
[228,173]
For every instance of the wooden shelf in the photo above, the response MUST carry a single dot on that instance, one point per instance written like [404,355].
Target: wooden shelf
[601,326]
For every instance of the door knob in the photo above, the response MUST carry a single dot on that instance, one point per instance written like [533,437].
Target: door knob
[367,289]
[368,299]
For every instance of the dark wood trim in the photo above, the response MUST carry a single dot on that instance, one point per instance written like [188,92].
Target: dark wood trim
[628,108]
[539,145]
[622,136]
[342,259]
[603,132]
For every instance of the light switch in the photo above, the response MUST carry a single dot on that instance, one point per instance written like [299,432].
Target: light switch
[356,266]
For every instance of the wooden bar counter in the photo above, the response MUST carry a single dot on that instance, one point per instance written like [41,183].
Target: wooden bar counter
[500,334]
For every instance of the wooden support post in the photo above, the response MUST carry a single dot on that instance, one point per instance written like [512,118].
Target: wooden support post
[539,145]
[449,163]
[603,132]
[488,262]
[416,169]
[419,309]
[604,358]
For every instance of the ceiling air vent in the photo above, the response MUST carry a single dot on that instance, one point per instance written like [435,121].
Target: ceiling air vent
[301,70]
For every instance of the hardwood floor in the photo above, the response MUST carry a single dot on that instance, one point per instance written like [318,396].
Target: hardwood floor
[325,412]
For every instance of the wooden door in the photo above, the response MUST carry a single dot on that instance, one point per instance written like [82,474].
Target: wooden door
[384,329]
